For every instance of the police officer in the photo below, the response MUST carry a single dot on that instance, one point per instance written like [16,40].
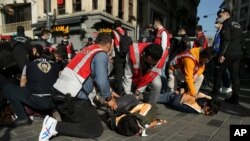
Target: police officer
[230,55]
[21,37]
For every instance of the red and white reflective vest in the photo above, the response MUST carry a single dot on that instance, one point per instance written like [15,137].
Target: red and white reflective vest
[176,63]
[158,37]
[77,71]
[117,37]
[197,40]
[141,81]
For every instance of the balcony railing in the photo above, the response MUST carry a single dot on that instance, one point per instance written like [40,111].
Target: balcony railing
[6,28]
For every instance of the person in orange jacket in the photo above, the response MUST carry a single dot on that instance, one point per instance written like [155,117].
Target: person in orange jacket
[188,67]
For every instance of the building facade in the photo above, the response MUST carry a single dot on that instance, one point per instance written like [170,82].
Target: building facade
[240,11]
[78,18]
[174,14]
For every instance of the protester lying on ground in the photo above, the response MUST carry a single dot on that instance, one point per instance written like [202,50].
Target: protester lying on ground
[184,102]
[133,117]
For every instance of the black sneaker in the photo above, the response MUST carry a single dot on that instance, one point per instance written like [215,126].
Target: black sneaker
[26,121]
[232,100]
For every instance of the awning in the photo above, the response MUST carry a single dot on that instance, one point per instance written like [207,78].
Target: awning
[62,21]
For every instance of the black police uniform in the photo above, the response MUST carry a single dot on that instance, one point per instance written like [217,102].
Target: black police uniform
[231,45]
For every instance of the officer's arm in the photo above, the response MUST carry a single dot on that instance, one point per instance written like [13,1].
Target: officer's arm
[23,80]
[100,70]
[225,38]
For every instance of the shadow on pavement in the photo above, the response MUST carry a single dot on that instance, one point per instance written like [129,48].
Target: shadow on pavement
[5,133]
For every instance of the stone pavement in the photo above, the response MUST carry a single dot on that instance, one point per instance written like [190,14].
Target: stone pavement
[180,126]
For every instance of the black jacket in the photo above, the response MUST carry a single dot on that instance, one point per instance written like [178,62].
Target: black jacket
[231,39]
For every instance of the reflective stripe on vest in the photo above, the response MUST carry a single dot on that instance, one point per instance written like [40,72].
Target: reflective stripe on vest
[177,61]
[77,71]
[116,40]
[135,56]
[158,37]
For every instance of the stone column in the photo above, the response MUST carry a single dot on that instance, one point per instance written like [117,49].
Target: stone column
[87,5]
[40,10]
[68,6]
[53,4]
[134,12]
[115,9]
[34,12]
[125,10]
[102,5]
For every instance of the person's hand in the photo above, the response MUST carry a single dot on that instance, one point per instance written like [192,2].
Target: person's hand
[222,59]
[111,60]
[195,77]
[112,104]
[114,95]
[202,95]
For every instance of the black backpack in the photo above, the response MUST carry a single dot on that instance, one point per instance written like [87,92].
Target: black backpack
[125,42]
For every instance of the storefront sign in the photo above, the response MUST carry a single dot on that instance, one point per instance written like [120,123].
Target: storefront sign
[106,30]
[61,28]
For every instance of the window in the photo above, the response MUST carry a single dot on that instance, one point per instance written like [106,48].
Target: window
[130,10]
[77,5]
[109,6]
[244,1]
[120,7]
[95,4]
[243,12]
[45,6]
[22,13]
[61,7]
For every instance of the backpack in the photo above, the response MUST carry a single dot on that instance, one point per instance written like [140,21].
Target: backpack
[125,42]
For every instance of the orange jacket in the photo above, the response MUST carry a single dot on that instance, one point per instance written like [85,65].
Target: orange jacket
[189,68]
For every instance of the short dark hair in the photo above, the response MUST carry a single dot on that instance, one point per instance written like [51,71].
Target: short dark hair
[207,53]
[103,38]
[198,27]
[117,23]
[153,50]
[45,31]
[128,126]
[213,105]
[158,20]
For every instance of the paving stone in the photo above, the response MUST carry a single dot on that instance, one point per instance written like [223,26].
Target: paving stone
[221,134]
[190,130]
[216,123]
[246,120]
[199,137]
[177,138]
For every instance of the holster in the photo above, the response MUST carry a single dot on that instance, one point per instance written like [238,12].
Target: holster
[64,102]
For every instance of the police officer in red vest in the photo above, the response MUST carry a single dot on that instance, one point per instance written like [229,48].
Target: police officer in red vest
[87,71]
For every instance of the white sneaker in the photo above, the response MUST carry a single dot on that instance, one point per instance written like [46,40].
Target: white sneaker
[226,90]
[48,129]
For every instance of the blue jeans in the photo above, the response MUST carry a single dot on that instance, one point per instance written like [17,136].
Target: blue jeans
[18,96]
[173,100]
